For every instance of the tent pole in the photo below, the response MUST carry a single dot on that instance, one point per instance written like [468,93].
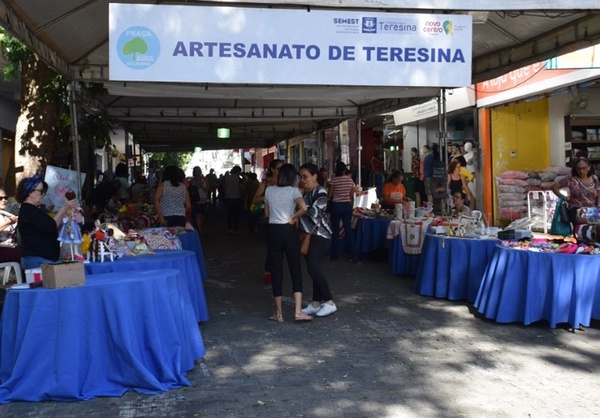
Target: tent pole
[359,150]
[75,136]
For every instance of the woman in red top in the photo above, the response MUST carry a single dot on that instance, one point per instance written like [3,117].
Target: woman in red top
[341,193]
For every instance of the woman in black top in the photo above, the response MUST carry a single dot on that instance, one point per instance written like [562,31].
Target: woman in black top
[38,231]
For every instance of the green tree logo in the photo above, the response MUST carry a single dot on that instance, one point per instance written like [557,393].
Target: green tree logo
[135,46]
[138,47]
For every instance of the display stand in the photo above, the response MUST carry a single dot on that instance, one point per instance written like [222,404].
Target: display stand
[541,203]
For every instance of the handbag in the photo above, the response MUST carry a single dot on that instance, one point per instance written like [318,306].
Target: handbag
[559,225]
[305,239]
[257,208]
[564,212]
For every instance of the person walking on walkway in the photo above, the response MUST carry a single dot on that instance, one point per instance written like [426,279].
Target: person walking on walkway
[171,199]
[316,223]
[233,191]
[341,193]
[282,238]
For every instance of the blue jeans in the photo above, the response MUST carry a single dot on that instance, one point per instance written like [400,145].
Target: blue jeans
[341,211]
[32,262]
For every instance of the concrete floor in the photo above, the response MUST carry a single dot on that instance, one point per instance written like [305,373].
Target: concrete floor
[387,352]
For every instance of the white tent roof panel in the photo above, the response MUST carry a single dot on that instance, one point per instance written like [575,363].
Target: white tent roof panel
[72,35]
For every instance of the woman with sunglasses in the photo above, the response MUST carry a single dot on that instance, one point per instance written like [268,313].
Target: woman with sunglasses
[37,229]
[8,228]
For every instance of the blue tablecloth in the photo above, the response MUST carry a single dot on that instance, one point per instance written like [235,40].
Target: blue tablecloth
[526,286]
[400,263]
[183,260]
[191,241]
[452,268]
[371,235]
[117,333]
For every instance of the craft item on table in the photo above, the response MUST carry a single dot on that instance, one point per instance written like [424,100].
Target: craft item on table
[161,239]
[413,235]
[70,233]
[98,248]
[590,215]
[139,247]
[85,244]
[399,211]
[117,233]
[567,246]
[410,209]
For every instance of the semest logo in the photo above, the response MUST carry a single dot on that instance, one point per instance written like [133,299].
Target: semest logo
[138,47]
[369,25]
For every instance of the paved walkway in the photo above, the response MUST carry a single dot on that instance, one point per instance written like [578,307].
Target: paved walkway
[387,352]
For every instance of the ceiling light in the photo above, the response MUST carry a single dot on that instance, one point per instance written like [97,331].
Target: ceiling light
[223,133]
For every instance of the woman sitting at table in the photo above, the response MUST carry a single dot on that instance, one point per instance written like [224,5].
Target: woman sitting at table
[8,232]
[37,229]
[460,208]
[457,183]
[394,191]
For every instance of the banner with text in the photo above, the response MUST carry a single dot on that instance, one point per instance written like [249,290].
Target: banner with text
[206,44]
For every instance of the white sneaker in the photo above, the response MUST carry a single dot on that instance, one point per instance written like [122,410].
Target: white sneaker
[309,310]
[326,309]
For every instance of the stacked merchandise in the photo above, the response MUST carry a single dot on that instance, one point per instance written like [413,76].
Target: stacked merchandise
[512,187]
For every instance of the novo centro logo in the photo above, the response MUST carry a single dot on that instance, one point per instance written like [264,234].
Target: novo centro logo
[138,47]
[435,27]
[369,25]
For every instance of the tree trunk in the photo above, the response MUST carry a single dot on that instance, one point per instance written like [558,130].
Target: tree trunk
[38,136]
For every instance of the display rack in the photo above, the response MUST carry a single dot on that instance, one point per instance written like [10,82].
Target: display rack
[540,209]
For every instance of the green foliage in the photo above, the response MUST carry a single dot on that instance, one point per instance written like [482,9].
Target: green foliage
[135,46]
[14,52]
[96,127]
[164,159]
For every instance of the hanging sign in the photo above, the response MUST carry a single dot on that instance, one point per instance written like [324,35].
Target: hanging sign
[206,44]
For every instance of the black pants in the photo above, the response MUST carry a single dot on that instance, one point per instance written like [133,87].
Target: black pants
[175,220]
[317,251]
[283,239]
[233,207]
[419,188]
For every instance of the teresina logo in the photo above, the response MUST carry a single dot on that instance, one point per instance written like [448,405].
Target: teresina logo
[138,47]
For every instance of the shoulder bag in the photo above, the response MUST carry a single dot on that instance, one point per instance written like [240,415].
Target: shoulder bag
[305,239]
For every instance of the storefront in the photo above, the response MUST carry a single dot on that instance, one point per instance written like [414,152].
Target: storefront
[537,117]
[422,125]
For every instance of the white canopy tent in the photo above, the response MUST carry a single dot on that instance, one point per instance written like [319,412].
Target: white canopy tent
[72,36]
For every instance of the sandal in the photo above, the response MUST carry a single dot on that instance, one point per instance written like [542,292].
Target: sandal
[276,318]
[302,317]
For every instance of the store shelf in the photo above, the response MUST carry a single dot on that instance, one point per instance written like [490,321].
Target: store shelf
[583,134]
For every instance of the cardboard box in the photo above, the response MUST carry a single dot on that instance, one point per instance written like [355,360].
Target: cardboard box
[63,274]
[33,275]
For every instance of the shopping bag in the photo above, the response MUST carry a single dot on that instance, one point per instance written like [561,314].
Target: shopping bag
[559,225]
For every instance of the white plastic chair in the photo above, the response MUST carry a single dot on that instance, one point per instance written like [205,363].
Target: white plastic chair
[8,267]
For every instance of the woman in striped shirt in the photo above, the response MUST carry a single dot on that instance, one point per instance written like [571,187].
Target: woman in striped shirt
[341,193]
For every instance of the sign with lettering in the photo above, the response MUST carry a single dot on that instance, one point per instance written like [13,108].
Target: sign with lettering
[60,182]
[206,44]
